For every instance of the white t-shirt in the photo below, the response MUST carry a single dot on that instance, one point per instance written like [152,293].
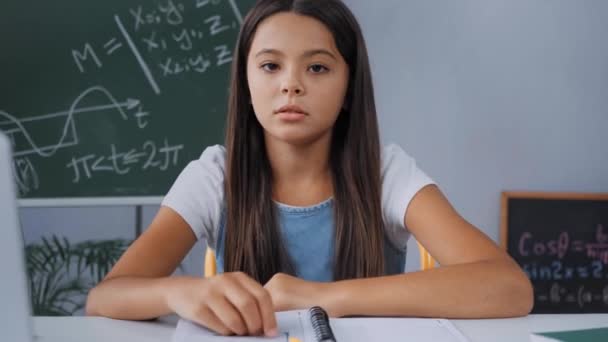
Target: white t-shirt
[198,192]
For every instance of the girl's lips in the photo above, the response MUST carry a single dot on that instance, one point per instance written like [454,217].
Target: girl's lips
[291,116]
[290,109]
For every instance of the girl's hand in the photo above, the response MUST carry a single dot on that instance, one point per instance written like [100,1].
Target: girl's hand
[229,304]
[291,293]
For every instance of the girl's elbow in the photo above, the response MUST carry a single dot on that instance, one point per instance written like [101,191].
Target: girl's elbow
[522,295]
[91,308]
[527,296]
[93,305]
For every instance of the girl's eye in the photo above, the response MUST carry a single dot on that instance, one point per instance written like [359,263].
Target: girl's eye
[318,68]
[269,66]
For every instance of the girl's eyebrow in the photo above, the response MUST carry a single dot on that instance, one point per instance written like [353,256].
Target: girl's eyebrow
[308,53]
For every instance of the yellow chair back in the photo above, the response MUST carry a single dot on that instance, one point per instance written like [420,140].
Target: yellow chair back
[426,260]
[210,265]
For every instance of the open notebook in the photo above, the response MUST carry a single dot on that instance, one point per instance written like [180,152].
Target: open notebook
[299,324]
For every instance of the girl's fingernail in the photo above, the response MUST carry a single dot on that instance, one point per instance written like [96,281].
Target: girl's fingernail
[272,333]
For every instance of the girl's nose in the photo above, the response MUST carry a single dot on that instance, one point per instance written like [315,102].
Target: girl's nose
[294,90]
[292,85]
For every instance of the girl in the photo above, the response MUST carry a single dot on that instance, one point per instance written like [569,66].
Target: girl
[302,206]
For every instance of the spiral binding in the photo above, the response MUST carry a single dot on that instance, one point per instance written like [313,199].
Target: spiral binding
[320,324]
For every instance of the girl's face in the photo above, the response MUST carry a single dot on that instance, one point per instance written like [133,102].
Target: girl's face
[297,78]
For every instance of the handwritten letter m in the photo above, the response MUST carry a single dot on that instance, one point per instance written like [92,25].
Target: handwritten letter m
[80,57]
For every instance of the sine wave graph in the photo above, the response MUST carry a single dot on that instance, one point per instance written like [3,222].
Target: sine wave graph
[24,143]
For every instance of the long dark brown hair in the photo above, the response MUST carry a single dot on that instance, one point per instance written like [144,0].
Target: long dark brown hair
[253,239]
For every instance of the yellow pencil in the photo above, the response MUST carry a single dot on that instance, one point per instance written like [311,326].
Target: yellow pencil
[293,339]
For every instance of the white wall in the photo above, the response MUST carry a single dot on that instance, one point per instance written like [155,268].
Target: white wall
[493,95]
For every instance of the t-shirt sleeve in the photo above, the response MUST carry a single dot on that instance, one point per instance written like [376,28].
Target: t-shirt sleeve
[198,193]
[401,180]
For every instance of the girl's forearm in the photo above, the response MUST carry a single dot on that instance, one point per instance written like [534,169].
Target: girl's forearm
[476,290]
[131,298]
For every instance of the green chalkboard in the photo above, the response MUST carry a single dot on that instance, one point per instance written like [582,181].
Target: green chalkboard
[113,98]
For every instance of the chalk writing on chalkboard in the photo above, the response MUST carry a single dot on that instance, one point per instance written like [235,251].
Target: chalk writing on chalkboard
[113,136]
[181,38]
[561,243]
[66,126]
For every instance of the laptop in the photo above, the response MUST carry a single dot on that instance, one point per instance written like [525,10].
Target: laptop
[15,321]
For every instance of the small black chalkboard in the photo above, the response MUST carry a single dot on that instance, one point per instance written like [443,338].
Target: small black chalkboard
[561,241]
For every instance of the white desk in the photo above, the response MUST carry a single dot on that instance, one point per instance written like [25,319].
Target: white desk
[519,329]
[96,329]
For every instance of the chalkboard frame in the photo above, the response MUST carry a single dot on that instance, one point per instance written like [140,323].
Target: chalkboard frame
[65,202]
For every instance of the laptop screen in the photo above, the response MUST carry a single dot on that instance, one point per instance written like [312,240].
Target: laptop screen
[15,308]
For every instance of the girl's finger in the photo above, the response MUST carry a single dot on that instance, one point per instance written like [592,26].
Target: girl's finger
[266,308]
[207,318]
[247,305]
[227,314]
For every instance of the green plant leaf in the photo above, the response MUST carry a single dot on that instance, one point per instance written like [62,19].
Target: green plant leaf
[54,288]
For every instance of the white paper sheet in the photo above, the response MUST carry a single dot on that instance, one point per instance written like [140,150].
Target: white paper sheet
[395,329]
[297,324]
[289,323]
